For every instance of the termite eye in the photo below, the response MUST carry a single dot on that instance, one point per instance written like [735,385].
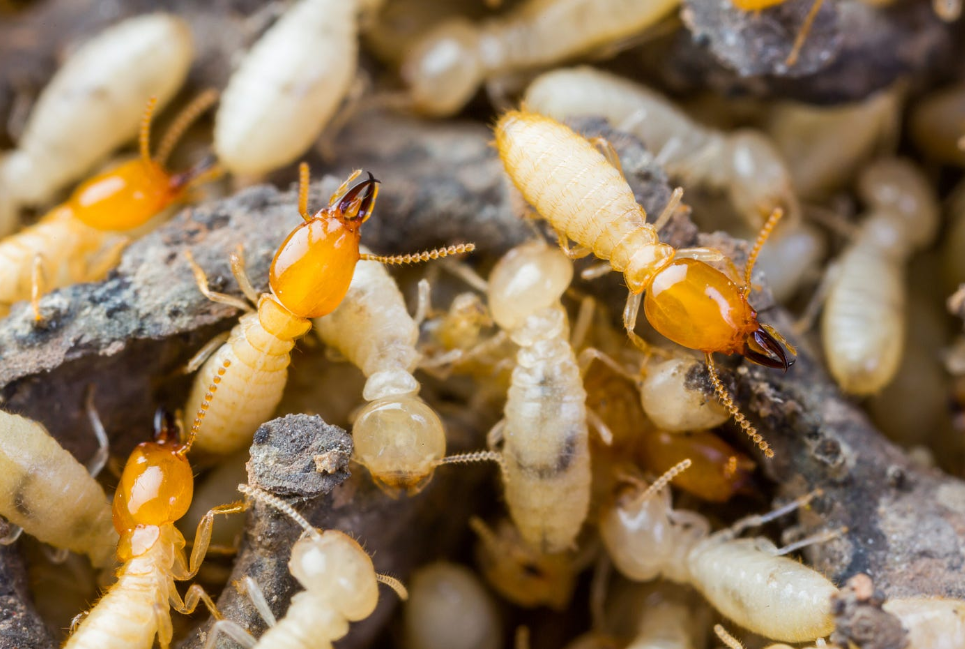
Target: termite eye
[357,204]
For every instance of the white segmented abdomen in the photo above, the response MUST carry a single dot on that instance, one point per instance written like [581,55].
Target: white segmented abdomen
[571,185]
[373,329]
[249,391]
[542,32]
[48,493]
[310,623]
[127,616]
[96,101]
[287,87]
[777,597]
[863,326]
[931,622]
[545,446]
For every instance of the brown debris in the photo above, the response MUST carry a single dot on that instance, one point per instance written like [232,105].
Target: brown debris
[860,620]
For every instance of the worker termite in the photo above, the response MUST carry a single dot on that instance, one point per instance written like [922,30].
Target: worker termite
[660,614]
[746,580]
[745,163]
[309,277]
[931,622]
[446,66]
[83,238]
[863,326]
[341,586]
[94,104]
[288,87]
[40,481]
[155,490]
[733,643]
[449,608]
[586,200]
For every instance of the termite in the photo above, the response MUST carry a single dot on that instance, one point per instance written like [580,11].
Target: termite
[309,277]
[937,125]
[449,608]
[341,586]
[664,616]
[749,581]
[447,65]
[155,490]
[863,326]
[733,643]
[288,87]
[82,239]
[94,104]
[397,436]
[586,199]
[48,494]
[931,622]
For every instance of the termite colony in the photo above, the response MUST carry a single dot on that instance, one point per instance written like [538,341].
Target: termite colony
[568,412]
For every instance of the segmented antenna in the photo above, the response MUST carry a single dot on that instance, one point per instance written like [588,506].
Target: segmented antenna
[419,257]
[269,499]
[203,409]
[762,238]
[144,139]
[477,456]
[728,403]
[803,33]
[188,115]
[661,483]
[303,184]
[727,638]
[394,584]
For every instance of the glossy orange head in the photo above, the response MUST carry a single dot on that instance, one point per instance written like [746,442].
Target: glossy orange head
[313,268]
[132,193]
[699,307]
[156,488]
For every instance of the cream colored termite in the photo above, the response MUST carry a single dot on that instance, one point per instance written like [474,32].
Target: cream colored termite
[733,643]
[95,102]
[931,622]
[449,608]
[340,582]
[288,87]
[447,65]
[863,326]
[50,495]
[747,580]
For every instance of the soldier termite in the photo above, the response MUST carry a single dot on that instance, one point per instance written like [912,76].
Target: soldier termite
[341,586]
[746,580]
[585,199]
[155,490]
[396,436]
[94,104]
[446,66]
[50,495]
[288,87]
[449,608]
[309,276]
[863,327]
[83,238]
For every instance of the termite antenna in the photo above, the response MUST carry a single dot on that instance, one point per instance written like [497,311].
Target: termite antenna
[803,33]
[478,456]
[274,501]
[188,115]
[303,184]
[144,139]
[203,409]
[728,403]
[394,584]
[762,238]
[661,483]
[727,638]
[419,257]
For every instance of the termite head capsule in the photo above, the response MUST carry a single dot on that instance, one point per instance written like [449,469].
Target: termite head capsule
[526,280]
[334,567]
[443,71]
[155,489]
[127,196]
[325,246]
[697,306]
[400,441]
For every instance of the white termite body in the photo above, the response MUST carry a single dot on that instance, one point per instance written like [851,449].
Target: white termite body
[744,579]
[931,622]
[95,103]
[745,163]
[671,404]
[288,87]
[449,608]
[448,64]
[51,495]
[397,436]
[863,326]
[545,438]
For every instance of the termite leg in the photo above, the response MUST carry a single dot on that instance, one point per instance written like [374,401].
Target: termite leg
[195,595]
[595,271]
[257,597]
[669,210]
[495,435]
[599,584]
[630,313]
[577,252]
[705,255]
[605,147]
[584,318]
[204,353]
[222,298]
[202,538]
[820,537]
[423,304]
[96,463]
[165,629]
[756,520]
[107,261]
[811,310]
[239,270]
[590,354]
[38,282]
[466,274]
[232,630]
[594,420]
[803,33]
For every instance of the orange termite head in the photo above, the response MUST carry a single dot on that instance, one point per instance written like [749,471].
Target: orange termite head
[763,348]
[313,268]
[155,489]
